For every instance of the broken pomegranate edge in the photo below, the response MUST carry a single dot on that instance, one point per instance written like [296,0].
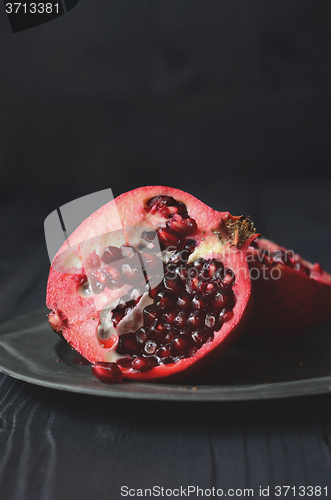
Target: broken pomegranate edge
[291,295]
[167,327]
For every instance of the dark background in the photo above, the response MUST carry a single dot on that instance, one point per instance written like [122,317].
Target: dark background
[183,93]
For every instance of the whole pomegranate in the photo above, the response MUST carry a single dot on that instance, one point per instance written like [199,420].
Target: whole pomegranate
[154,282]
[291,295]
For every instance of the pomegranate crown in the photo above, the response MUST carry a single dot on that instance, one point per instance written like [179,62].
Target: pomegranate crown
[237,231]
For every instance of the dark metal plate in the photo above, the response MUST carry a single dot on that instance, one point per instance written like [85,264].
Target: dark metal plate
[252,369]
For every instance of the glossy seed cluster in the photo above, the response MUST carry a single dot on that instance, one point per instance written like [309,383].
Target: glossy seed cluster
[190,304]
[282,257]
[190,301]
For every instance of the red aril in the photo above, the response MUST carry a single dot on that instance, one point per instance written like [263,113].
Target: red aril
[107,372]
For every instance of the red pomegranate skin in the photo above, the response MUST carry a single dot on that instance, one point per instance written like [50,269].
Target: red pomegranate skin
[77,317]
[292,305]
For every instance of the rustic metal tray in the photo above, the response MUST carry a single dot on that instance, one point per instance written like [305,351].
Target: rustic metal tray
[252,369]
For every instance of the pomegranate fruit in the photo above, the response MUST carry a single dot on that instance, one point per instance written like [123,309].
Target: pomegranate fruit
[154,281]
[291,295]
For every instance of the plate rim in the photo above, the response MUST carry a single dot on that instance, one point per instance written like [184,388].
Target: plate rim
[272,390]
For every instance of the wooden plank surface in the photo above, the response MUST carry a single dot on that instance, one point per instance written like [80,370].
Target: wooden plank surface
[58,446]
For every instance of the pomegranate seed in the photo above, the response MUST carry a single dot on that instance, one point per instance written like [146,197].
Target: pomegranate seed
[219,275]
[182,272]
[149,236]
[192,272]
[184,301]
[127,344]
[181,344]
[191,226]
[165,300]
[211,321]
[132,275]
[114,278]
[100,276]
[301,268]
[152,264]
[170,238]
[282,257]
[228,280]
[317,267]
[186,226]
[198,303]
[180,319]
[111,254]
[141,336]
[128,252]
[163,352]
[198,264]
[151,313]
[208,289]
[162,327]
[220,300]
[161,202]
[58,321]
[143,364]
[209,269]
[190,246]
[170,316]
[155,287]
[97,286]
[124,362]
[180,257]
[107,372]
[173,283]
[211,289]
[202,336]
[158,332]
[195,320]
[86,288]
[171,335]
[181,208]
[225,315]
[192,285]
[150,347]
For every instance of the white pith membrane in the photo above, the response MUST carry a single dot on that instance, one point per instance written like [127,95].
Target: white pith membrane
[125,331]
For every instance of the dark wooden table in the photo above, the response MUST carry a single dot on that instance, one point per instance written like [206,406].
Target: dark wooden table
[58,445]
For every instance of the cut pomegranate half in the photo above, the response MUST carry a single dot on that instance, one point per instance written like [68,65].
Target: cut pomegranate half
[291,295]
[161,297]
